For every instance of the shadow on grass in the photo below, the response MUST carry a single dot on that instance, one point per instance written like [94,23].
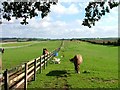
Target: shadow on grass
[86,72]
[61,73]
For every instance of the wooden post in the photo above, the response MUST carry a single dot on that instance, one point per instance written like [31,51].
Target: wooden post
[47,60]
[35,69]
[25,83]
[44,62]
[6,81]
[40,65]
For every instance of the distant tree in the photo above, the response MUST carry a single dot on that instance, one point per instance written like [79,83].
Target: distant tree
[104,43]
[115,43]
[118,42]
[28,10]
[108,43]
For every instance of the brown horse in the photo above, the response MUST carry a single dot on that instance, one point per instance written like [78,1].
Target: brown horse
[45,51]
[77,60]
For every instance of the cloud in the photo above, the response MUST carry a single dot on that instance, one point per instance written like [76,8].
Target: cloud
[60,9]
[47,28]
[62,27]
[74,1]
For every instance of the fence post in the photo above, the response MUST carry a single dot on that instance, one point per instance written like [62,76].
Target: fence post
[44,62]
[6,76]
[47,59]
[34,69]
[40,64]
[25,83]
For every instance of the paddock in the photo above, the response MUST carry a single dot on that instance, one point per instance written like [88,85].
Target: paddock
[99,69]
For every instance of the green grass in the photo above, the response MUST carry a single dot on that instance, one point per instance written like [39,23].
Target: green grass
[100,64]
[16,56]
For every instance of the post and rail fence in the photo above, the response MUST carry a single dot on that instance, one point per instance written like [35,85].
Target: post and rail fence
[19,76]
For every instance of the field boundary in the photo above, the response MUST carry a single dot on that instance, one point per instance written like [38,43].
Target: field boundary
[20,75]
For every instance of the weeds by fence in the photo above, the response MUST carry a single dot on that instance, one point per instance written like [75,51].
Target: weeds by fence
[20,75]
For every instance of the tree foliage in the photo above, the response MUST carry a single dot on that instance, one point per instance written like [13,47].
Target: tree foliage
[95,10]
[25,10]
[28,10]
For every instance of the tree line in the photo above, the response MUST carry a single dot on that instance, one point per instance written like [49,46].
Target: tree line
[103,42]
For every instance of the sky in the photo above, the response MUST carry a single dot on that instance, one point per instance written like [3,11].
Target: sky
[64,21]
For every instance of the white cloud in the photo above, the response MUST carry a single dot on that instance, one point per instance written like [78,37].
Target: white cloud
[60,9]
[73,9]
[45,24]
[58,29]
[52,27]
[12,21]
[73,1]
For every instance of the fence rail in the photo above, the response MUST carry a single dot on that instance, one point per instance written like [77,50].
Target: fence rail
[18,76]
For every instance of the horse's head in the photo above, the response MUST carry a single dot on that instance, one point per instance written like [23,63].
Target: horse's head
[72,60]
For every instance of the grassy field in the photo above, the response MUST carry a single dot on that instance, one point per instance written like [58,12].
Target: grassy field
[98,70]
[16,56]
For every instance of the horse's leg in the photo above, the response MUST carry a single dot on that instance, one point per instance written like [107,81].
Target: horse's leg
[78,68]
[75,65]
